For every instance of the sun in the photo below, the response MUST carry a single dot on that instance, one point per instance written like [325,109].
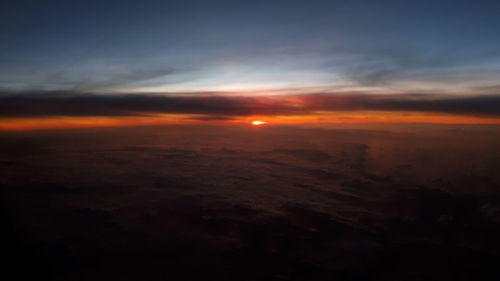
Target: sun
[258,123]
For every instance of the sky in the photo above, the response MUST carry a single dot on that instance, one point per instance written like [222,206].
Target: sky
[376,157]
[235,59]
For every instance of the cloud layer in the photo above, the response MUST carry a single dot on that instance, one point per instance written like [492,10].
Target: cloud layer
[33,104]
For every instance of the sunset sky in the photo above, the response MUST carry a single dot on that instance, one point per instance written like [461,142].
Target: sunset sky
[264,140]
[101,63]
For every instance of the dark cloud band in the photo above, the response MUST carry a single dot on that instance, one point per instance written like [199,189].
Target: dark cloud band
[32,104]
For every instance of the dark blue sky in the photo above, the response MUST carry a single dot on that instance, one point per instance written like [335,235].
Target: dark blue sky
[177,46]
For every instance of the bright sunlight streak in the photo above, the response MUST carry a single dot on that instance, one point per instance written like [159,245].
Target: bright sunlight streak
[258,122]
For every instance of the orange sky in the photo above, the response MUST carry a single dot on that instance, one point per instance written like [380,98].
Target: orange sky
[8,124]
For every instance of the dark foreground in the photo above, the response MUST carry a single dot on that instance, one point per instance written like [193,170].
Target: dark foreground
[237,203]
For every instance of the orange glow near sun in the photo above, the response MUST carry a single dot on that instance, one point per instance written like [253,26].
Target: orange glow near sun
[258,122]
[19,124]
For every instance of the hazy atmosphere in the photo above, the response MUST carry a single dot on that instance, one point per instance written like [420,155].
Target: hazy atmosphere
[250,140]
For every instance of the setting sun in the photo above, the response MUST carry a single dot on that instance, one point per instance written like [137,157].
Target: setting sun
[258,122]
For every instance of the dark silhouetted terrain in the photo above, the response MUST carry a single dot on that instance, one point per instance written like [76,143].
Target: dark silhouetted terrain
[372,202]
